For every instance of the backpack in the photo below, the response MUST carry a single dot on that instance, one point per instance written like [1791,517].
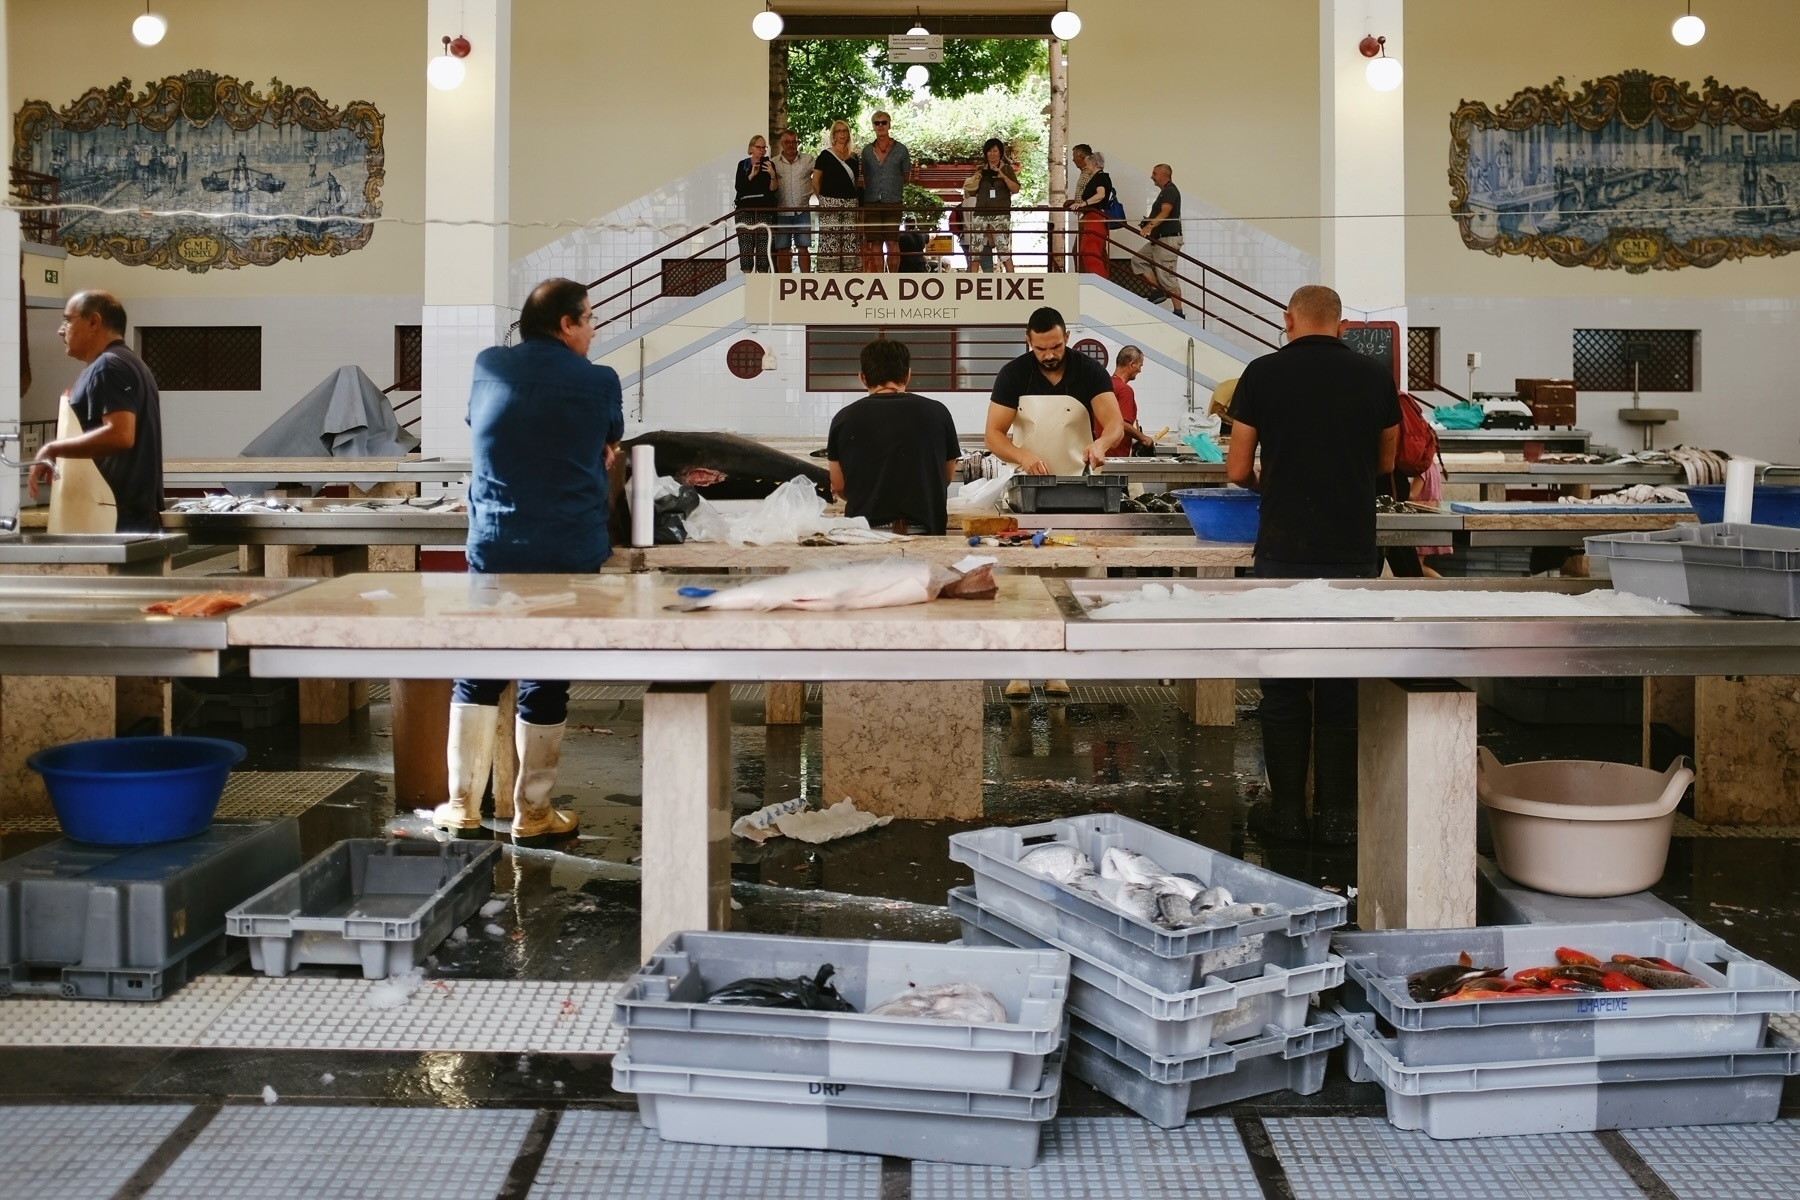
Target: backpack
[1418,441]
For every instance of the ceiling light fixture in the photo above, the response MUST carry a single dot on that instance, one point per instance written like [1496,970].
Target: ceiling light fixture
[446,71]
[149,28]
[918,26]
[1065,25]
[767,23]
[917,76]
[1690,29]
[1383,73]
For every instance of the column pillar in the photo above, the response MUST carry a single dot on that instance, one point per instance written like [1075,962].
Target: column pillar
[1362,143]
[11,332]
[466,179]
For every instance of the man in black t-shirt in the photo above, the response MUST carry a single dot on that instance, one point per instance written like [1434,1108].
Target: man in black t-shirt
[893,453]
[1163,230]
[1327,420]
[1048,368]
[116,401]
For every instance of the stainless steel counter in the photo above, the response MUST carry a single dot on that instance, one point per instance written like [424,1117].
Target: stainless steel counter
[394,524]
[88,549]
[59,625]
[226,471]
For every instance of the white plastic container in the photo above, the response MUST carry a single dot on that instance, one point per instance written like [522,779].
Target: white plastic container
[1574,827]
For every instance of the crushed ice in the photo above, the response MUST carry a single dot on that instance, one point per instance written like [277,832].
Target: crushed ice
[270,1096]
[1318,599]
[493,908]
[396,990]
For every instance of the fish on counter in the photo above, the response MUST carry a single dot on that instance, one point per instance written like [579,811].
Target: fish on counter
[881,583]
[1137,886]
[719,466]
[201,604]
[1059,861]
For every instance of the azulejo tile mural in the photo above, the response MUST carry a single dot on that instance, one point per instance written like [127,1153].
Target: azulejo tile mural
[1635,171]
[279,174]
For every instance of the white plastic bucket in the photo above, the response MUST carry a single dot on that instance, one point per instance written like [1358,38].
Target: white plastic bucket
[1574,827]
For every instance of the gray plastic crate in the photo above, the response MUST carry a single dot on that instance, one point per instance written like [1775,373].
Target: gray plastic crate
[1741,568]
[1164,1091]
[1497,1099]
[1729,1014]
[131,922]
[718,1108]
[366,902]
[1161,1024]
[667,1025]
[1066,493]
[1294,930]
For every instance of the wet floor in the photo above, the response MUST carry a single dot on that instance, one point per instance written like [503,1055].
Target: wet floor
[573,914]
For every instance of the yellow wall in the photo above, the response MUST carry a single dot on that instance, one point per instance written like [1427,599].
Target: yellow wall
[1226,93]
[612,99]
[344,50]
[1749,43]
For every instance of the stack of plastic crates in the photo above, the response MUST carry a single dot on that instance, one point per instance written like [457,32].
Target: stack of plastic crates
[1167,1022]
[1582,1061]
[942,1090]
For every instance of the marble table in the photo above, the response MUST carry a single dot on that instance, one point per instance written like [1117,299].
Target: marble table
[1417,855]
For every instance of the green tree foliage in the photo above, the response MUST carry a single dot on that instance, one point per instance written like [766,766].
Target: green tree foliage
[939,130]
[970,65]
[828,80]
[842,77]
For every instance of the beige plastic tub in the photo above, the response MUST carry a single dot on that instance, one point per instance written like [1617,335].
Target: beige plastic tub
[1578,828]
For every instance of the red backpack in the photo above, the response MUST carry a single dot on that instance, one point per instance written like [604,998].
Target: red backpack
[1418,441]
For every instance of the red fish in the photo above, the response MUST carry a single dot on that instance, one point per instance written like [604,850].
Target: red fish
[1569,957]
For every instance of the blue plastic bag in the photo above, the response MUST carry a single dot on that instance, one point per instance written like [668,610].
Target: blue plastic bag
[1205,447]
[1463,415]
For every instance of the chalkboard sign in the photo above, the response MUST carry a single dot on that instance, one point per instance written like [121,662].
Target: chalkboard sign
[1377,339]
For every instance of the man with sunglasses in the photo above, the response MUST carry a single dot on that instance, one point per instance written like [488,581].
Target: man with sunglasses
[545,425]
[886,163]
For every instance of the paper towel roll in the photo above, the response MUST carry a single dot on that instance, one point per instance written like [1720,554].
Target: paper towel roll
[1740,490]
[643,498]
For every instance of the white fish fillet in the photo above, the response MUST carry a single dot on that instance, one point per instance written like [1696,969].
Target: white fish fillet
[881,583]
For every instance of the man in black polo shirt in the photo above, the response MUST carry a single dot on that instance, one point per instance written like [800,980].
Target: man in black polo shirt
[893,453]
[116,401]
[1047,368]
[1327,420]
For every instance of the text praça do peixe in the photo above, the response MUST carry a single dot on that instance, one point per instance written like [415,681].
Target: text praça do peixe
[860,289]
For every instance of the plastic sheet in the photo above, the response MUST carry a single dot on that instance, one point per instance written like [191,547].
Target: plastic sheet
[793,511]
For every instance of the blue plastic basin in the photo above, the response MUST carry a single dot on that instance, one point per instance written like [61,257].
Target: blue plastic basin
[1228,514]
[130,791]
[1770,503]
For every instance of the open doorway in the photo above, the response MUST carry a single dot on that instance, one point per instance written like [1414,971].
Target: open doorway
[1005,88]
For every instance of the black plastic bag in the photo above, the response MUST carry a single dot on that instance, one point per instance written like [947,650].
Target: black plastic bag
[670,509]
[815,994]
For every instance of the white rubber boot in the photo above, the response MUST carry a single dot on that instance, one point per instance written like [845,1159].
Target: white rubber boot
[540,753]
[470,752]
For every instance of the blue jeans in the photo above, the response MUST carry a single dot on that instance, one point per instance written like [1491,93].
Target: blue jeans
[1325,703]
[793,230]
[541,702]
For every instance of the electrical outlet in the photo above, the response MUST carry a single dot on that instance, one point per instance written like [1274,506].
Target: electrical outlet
[1474,360]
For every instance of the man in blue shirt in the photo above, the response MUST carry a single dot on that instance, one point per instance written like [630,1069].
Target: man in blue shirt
[886,163]
[546,425]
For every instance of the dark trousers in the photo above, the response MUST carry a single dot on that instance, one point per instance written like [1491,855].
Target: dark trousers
[541,702]
[1325,703]
[753,248]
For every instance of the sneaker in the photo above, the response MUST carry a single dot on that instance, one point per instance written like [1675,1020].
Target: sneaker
[1181,313]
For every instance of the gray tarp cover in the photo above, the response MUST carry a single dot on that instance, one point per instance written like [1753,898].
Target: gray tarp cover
[346,416]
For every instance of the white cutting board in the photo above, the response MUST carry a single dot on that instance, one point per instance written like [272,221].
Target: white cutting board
[80,499]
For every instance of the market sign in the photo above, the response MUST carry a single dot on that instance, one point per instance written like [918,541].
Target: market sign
[947,298]
[915,48]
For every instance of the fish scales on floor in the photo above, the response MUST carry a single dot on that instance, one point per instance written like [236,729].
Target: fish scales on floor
[1575,971]
[1136,885]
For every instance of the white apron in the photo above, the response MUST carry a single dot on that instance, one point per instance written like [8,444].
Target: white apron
[1055,428]
[81,501]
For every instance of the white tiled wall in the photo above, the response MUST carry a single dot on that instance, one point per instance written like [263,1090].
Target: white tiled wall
[453,335]
[304,339]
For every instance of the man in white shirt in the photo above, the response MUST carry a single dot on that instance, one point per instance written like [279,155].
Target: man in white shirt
[793,180]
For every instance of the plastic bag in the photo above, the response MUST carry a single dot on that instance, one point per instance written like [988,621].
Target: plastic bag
[1205,447]
[815,994]
[964,1003]
[791,512]
[673,502]
[983,495]
[1463,415]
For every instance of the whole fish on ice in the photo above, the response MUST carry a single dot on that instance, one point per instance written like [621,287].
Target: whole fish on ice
[881,583]
[1059,861]
[1129,865]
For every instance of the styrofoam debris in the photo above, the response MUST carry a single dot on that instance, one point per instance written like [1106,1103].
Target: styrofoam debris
[493,931]
[828,824]
[270,1096]
[493,908]
[396,990]
[328,1079]
[759,826]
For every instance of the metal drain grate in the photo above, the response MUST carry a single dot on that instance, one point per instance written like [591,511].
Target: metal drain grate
[249,796]
[1686,826]
[1108,1158]
[55,1152]
[612,1154]
[1724,1162]
[1092,693]
[476,1015]
[393,1153]
[1365,1158]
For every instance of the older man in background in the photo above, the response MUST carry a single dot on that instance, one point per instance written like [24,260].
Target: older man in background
[886,163]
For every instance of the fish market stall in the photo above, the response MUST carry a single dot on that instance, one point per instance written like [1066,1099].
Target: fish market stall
[373,522]
[243,472]
[1417,858]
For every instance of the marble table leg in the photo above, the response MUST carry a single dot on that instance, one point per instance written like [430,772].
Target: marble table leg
[687,810]
[1747,750]
[1415,855]
[907,750]
[40,711]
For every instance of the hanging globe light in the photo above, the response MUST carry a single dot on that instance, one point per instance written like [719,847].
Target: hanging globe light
[917,76]
[1065,25]
[1688,30]
[766,24]
[446,71]
[149,28]
[1383,73]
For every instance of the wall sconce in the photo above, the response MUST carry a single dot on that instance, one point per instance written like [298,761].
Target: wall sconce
[1383,73]
[1690,29]
[446,71]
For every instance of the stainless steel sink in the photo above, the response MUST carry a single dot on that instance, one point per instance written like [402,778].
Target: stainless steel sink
[75,549]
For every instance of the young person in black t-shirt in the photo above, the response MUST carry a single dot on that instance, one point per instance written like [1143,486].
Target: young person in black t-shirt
[1327,420]
[893,453]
